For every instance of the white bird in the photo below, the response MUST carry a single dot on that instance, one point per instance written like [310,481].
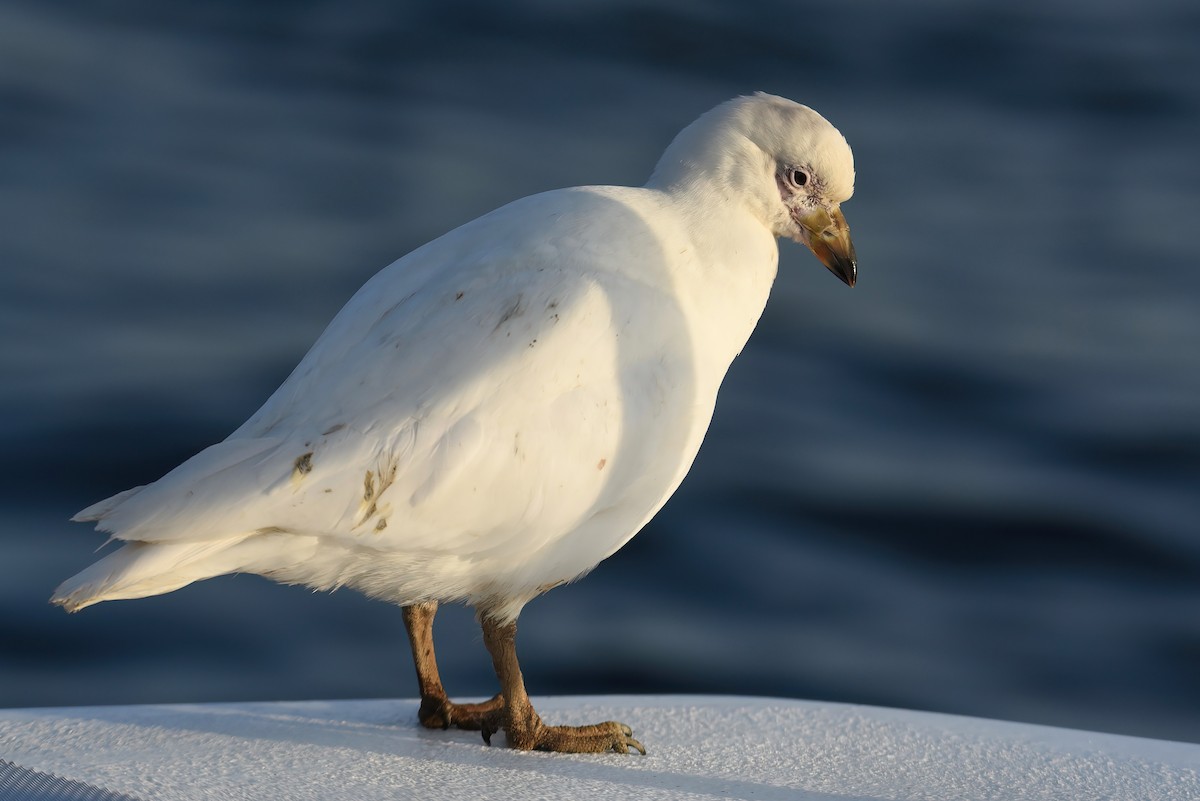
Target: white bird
[498,411]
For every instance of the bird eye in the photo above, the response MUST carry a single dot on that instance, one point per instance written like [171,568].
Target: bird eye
[799,177]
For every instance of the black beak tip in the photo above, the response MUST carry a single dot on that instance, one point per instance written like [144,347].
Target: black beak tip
[847,270]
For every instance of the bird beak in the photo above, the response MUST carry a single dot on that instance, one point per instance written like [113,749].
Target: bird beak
[826,234]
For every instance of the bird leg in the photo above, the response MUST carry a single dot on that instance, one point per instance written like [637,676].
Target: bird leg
[437,711]
[521,724]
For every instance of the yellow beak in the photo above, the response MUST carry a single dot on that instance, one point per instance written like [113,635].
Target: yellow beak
[826,234]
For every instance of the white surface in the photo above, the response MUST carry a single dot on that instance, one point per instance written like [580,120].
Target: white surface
[504,407]
[699,747]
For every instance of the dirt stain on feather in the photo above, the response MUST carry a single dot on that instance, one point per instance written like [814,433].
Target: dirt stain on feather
[373,487]
[302,466]
[515,310]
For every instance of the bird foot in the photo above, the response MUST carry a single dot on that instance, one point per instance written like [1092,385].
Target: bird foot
[442,713]
[533,735]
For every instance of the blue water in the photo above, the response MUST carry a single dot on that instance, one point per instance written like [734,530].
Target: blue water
[971,484]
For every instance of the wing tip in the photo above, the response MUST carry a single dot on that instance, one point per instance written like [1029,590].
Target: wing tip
[102,509]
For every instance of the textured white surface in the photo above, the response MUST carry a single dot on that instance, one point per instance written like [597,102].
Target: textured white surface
[700,747]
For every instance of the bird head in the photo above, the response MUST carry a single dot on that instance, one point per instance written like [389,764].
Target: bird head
[783,160]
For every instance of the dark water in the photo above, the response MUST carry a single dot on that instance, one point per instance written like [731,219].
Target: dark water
[972,484]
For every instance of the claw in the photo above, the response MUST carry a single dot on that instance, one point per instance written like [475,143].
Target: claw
[487,731]
[599,737]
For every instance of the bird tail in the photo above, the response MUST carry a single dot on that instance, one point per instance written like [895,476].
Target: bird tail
[139,569]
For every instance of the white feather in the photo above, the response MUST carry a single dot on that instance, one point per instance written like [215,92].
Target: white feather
[499,410]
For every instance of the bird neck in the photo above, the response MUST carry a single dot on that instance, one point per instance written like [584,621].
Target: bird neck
[730,270]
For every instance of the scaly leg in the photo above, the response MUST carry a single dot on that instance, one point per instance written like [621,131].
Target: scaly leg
[437,711]
[521,723]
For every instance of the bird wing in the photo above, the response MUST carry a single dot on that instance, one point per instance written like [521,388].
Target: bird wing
[507,379]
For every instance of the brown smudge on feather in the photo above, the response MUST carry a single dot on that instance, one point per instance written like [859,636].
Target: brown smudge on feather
[302,466]
[368,508]
[373,487]
[512,311]
[600,464]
